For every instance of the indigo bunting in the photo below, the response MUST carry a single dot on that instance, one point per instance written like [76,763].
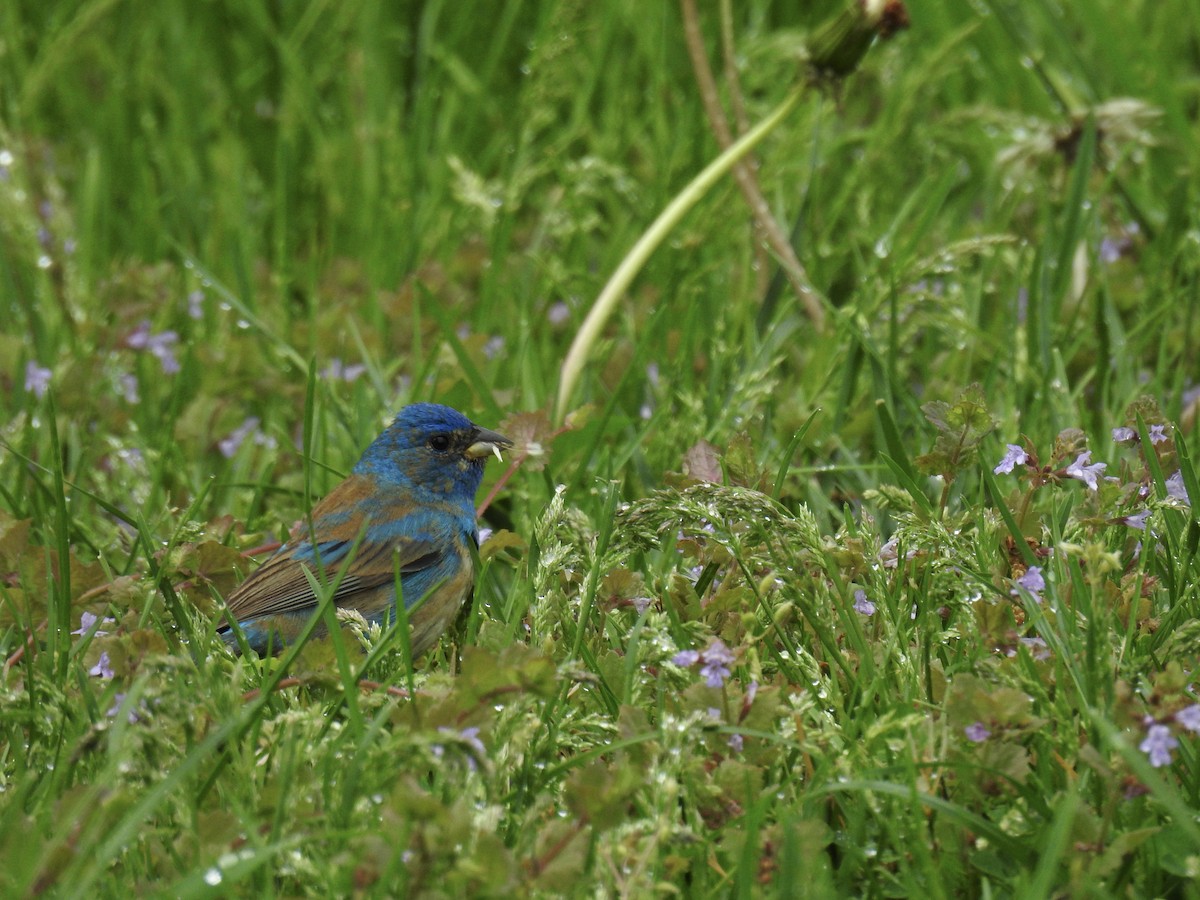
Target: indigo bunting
[410,505]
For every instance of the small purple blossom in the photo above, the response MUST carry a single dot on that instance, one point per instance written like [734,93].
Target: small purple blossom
[736,743]
[159,345]
[248,429]
[87,620]
[1015,455]
[1137,520]
[494,347]
[715,661]
[118,702]
[1158,434]
[1158,745]
[977,732]
[470,737]
[1176,488]
[1088,474]
[1033,582]
[1123,435]
[862,604]
[889,553]
[1037,647]
[195,302]
[102,668]
[558,313]
[1189,718]
[127,384]
[37,379]
[338,371]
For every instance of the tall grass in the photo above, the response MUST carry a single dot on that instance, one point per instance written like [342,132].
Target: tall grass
[762,618]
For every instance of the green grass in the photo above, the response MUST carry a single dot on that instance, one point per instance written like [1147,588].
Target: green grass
[1002,196]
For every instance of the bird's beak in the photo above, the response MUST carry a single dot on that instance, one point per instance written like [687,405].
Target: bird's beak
[486,442]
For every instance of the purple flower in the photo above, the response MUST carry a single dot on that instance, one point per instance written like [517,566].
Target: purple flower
[494,347]
[558,313]
[1037,647]
[337,371]
[1176,488]
[102,668]
[1014,456]
[1189,718]
[118,702]
[735,743]
[468,736]
[37,379]
[1158,434]
[127,384]
[1033,582]
[87,620]
[889,553]
[977,732]
[1158,745]
[157,344]
[1123,435]
[1138,520]
[715,661]
[230,445]
[195,302]
[862,604]
[1081,471]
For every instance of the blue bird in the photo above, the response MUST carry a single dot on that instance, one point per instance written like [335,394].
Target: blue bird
[410,505]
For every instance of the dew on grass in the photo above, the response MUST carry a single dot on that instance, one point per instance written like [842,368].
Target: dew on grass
[213,877]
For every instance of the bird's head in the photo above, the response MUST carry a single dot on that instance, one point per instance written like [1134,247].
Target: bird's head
[435,448]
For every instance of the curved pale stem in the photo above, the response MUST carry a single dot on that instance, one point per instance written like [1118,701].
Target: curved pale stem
[620,280]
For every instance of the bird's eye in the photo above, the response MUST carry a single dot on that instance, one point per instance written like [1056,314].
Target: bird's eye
[440,442]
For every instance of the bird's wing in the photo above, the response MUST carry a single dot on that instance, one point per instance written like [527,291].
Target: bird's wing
[280,585]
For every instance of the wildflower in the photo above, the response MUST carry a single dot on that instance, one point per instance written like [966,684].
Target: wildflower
[862,604]
[102,668]
[37,379]
[118,702]
[1014,456]
[1158,745]
[888,553]
[338,371]
[127,384]
[1037,647]
[468,736]
[558,313]
[1123,435]
[195,302]
[230,445]
[494,347]
[1081,471]
[736,742]
[1176,488]
[1158,434]
[1138,520]
[977,732]
[157,344]
[1190,718]
[87,620]
[1033,582]
[715,659]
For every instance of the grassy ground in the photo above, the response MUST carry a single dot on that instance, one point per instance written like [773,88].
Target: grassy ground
[766,619]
